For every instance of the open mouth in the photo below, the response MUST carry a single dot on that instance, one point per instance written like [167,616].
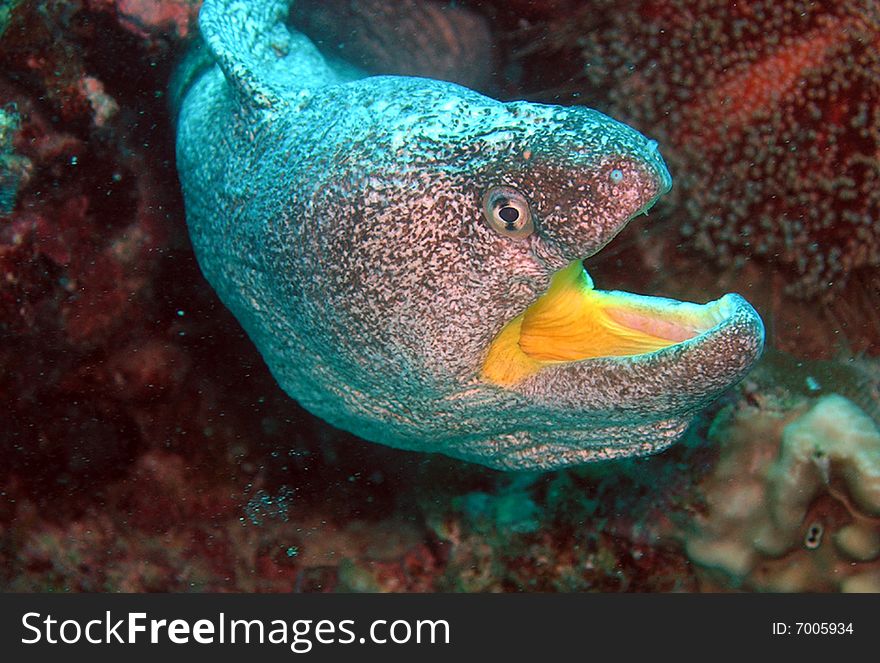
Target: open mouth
[572,321]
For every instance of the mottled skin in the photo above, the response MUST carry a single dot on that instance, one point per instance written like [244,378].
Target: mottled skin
[340,220]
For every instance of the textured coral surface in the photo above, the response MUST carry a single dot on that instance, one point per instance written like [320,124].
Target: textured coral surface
[769,110]
[793,502]
[145,446]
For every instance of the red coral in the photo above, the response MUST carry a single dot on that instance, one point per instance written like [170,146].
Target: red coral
[769,112]
[151,18]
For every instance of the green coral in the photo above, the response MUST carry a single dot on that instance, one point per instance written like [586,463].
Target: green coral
[14,169]
[7,9]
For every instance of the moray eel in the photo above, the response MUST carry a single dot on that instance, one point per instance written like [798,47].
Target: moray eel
[406,255]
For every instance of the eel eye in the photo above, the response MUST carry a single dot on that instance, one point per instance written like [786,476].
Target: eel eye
[507,212]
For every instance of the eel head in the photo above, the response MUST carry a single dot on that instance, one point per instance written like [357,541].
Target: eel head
[499,348]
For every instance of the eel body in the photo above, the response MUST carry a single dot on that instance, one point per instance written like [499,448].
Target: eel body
[406,255]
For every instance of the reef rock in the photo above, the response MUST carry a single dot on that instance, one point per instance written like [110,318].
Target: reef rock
[794,500]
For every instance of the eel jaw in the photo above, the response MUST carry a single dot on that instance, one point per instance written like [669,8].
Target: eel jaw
[573,322]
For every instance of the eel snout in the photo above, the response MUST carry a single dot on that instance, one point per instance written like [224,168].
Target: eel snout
[588,195]
[574,329]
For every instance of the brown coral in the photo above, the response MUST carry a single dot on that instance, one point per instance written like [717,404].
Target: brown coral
[794,500]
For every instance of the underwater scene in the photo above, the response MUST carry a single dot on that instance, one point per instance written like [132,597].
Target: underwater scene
[440,296]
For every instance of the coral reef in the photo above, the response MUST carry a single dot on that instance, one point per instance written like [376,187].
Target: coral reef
[146,447]
[14,169]
[168,528]
[152,19]
[591,529]
[793,503]
[769,113]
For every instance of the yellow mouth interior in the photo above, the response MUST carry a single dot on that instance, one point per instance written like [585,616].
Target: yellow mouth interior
[573,321]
